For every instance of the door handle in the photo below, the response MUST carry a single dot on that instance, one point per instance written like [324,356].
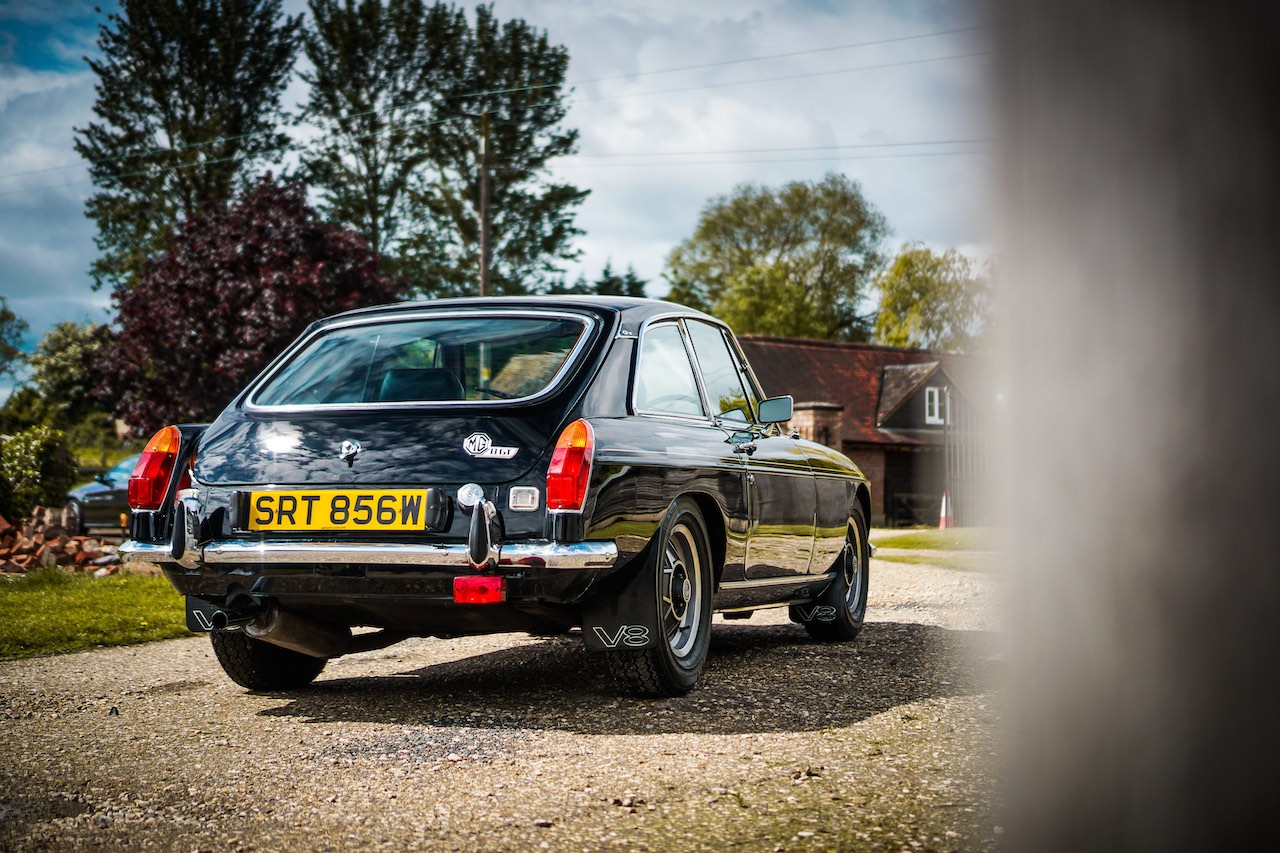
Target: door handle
[747,447]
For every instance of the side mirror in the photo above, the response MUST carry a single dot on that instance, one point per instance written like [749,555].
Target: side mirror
[102,478]
[776,410]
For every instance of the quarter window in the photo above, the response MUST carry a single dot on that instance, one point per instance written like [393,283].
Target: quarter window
[720,373]
[664,376]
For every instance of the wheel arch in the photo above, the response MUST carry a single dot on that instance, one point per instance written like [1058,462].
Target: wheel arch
[717,532]
[862,498]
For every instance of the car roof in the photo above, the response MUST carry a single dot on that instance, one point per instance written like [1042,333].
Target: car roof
[633,310]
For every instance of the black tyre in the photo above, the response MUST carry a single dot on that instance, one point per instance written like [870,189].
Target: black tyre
[838,613]
[263,666]
[75,518]
[680,568]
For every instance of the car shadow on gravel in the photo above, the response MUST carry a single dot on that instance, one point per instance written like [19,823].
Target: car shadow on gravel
[765,678]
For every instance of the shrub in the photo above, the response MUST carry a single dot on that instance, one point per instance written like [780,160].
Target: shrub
[36,469]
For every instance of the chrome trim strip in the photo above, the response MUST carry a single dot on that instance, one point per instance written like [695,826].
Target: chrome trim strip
[589,321]
[533,554]
[796,580]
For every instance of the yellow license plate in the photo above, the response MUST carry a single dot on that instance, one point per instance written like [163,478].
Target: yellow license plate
[338,509]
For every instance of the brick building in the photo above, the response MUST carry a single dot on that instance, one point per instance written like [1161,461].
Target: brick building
[915,421]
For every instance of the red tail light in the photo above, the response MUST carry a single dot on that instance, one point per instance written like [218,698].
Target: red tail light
[151,474]
[571,467]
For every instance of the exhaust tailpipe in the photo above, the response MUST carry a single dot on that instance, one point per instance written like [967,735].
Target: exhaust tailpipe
[222,620]
[292,630]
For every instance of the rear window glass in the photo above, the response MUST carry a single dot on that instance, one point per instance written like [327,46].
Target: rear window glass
[449,359]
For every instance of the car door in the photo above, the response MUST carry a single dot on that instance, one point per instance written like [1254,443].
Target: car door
[781,496]
[675,437]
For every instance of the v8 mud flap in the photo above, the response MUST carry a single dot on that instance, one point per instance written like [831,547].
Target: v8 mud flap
[623,612]
[201,614]
[206,616]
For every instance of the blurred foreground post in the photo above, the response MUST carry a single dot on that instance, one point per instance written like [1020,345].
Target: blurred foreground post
[1140,210]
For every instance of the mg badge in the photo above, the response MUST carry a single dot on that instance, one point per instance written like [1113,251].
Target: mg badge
[481,446]
[349,451]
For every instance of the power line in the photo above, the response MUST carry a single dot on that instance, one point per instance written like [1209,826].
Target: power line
[830,158]
[739,61]
[701,66]
[784,77]
[780,150]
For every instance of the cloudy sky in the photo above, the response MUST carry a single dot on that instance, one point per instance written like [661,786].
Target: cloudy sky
[677,102]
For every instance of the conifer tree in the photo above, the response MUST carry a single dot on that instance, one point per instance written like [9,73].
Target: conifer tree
[187,108]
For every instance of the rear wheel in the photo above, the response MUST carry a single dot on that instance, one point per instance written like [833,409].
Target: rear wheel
[680,566]
[838,613]
[263,666]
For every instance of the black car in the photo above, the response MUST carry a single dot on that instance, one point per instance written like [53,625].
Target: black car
[480,466]
[103,502]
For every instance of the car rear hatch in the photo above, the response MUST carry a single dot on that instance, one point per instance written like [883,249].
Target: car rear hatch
[408,399]
[390,448]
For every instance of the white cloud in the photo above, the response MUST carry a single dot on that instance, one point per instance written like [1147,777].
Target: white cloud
[635,213]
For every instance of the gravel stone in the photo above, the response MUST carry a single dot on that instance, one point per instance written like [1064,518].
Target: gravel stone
[515,742]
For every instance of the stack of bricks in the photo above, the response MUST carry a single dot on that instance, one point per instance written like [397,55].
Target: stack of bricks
[44,540]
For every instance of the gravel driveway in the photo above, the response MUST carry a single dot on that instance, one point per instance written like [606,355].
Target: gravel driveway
[514,742]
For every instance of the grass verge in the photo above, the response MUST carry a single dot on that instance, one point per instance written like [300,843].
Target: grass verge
[955,539]
[52,612]
[943,559]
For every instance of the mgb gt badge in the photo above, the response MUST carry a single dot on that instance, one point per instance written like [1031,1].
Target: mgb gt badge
[481,446]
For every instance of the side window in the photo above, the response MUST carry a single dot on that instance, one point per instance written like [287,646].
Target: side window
[720,375]
[664,377]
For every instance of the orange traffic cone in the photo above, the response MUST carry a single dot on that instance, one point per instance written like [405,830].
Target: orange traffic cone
[943,520]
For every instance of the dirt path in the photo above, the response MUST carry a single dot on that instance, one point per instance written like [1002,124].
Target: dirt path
[512,742]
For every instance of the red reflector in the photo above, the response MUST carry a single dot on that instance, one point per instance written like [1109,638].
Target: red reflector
[479,589]
[151,475]
[570,469]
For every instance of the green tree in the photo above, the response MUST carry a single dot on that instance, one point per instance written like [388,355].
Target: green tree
[609,284]
[12,328]
[188,102]
[796,261]
[235,287]
[35,469]
[612,284]
[932,300]
[375,69]
[24,408]
[503,88]
[64,370]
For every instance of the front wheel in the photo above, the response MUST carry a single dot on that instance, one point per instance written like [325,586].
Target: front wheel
[680,570]
[838,613]
[263,666]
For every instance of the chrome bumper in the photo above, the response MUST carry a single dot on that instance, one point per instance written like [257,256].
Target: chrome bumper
[538,554]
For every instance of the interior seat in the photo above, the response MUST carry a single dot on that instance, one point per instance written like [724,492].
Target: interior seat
[419,384]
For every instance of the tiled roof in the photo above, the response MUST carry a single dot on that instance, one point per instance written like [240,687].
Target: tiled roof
[900,381]
[849,374]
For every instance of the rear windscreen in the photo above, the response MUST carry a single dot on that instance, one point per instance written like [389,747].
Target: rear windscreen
[448,359]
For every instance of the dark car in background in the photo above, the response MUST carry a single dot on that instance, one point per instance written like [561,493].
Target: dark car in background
[103,502]
[602,465]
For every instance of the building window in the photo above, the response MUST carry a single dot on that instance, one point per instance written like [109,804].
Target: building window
[934,406]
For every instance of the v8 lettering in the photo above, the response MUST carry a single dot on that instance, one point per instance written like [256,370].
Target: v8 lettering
[635,636]
[820,612]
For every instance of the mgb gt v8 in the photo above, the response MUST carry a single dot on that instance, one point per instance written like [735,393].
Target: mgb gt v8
[481,466]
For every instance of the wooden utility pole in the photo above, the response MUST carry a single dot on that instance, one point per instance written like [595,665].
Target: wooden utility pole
[484,203]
